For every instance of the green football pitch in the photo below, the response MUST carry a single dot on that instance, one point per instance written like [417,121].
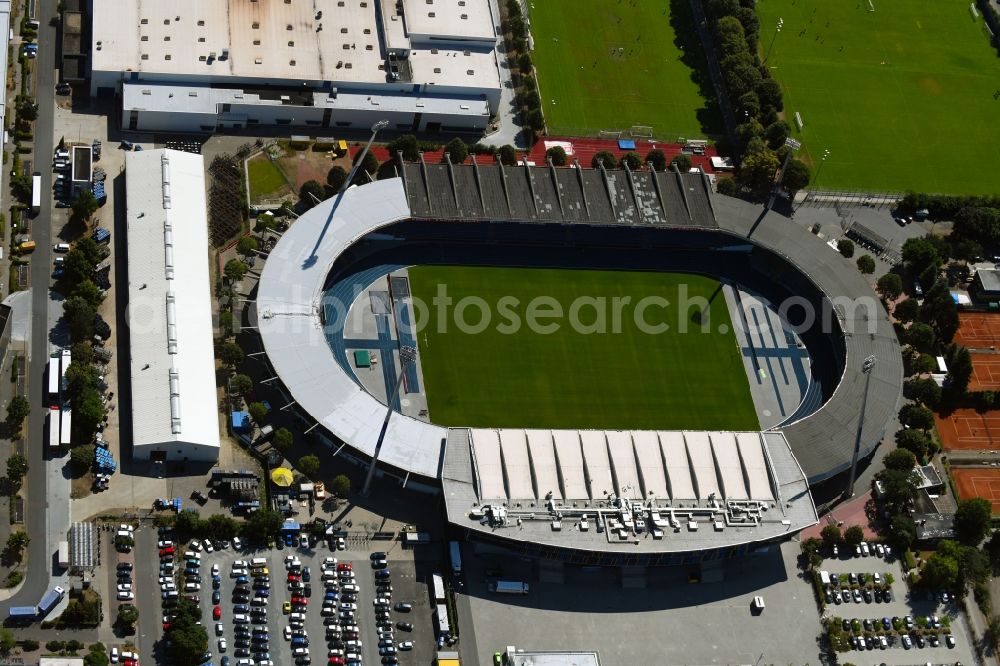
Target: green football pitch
[903,98]
[605,64]
[629,377]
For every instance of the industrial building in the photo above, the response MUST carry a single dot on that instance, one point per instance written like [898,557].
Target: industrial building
[175,415]
[192,65]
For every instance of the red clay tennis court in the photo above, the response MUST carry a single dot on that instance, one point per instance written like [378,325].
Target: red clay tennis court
[978,482]
[968,429]
[985,372]
[978,330]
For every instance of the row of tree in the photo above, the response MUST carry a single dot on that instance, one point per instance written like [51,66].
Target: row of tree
[529,102]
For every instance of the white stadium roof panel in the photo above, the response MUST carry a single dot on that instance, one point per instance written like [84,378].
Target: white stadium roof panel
[728,459]
[570,458]
[486,445]
[755,465]
[516,464]
[623,462]
[543,461]
[647,450]
[700,453]
[595,458]
[678,467]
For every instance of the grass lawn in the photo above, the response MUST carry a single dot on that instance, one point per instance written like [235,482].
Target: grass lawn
[265,179]
[570,379]
[903,97]
[585,88]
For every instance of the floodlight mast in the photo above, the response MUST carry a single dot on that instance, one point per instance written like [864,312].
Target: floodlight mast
[866,368]
[792,145]
[407,355]
[379,125]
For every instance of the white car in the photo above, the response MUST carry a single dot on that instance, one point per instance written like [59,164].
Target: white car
[166,579]
[380,601]
[219,629]
[349,607]
[237,544]
[125,596]
[241,564]
[192,587]
[169,585]
[164,544]
[287,633]
[208,546]
[124,587]
[114,655]
[406,645]
[215,569]
[329,562]
[222,645]
[303,541]
[238,571]
[341,543]
[195,546]
[127,528]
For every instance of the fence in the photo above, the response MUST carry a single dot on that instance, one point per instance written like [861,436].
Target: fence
[644,132]
[840,199]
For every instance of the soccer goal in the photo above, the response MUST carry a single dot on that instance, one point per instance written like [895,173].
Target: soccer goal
[642,131]
[973,10]
[871,6]
[610,134]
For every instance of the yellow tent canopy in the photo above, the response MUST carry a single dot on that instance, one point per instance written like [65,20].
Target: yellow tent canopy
[282,476]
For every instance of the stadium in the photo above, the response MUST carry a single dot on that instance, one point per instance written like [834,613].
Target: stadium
[664,490]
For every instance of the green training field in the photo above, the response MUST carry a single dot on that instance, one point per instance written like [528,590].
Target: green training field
[570,379]
[902,97]
[586,86]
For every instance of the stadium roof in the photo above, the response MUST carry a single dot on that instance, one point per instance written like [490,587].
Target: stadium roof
[172,359]
[608,491]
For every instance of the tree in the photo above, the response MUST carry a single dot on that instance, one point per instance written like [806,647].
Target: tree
[916,442]
[17,467]
[940,572]
[657,159]
[309,465]
[866,264]
[992,634]
[727,186]
[87,415]
[283,439]
[247,245]
[758,169]
[368,168]
[605,157]
[27,109]
[810,548]
[900,487]
[921,336]
[17,410]
[797,175]
[336,177]
[219,527]
[846,247]
[831,536]
[79,316]
[992,549]
[558,155]
[262,524]
[920,253]
[972,520]
[925,391]
[854,535]
[457,150]
[234,270]
[225,323]
[776,133]
[82,457]
[916,416]
[906,311]
[90,292]
[902,531]
[187,524]
[406,144]
[524,63]
[889,286]
[188,639]
[7,642]
[77,267]
[310,194]
[341,485]
[507,155]
[240,384]
[960,369]
[100,657]
[257,412]
[901,459]
[632,160]
[128,615]
[84,205]
[230,353]
[681,162]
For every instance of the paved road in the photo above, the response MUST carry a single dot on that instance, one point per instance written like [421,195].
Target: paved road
[36,521]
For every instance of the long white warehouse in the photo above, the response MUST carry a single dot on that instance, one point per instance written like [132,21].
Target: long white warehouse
[175,415]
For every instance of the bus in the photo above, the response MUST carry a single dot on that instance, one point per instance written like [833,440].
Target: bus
[36,192]
[67,426]
[53,425]
[67,358]
[456,557]
[54,377]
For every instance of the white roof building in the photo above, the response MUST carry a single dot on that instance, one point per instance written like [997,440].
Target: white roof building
[175,414]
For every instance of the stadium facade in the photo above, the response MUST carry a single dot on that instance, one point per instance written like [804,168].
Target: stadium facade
[589,497]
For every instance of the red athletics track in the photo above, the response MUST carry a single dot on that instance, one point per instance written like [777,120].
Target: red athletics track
[969,430]
[978,482]
[583,150]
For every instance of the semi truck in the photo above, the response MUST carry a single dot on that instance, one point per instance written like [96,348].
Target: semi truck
[22,614]
[49,601]
[63,557]
[36,191]
[54,377]
[456,557]
[53,426]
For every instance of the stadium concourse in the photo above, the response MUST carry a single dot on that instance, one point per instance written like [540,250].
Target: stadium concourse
[604,497]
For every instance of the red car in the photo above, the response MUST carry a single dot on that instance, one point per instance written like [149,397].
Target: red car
[216,613]
[336,661]
[294,578]
[164,552]
[130,662]
[345,566]
[166,626]
[300,601]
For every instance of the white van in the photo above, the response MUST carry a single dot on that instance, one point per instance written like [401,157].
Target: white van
[258,562]
[297,617]
[300,652]
[241,619]
[190,554]
[192,587]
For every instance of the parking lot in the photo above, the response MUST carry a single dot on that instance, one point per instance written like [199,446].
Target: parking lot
[404,588]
